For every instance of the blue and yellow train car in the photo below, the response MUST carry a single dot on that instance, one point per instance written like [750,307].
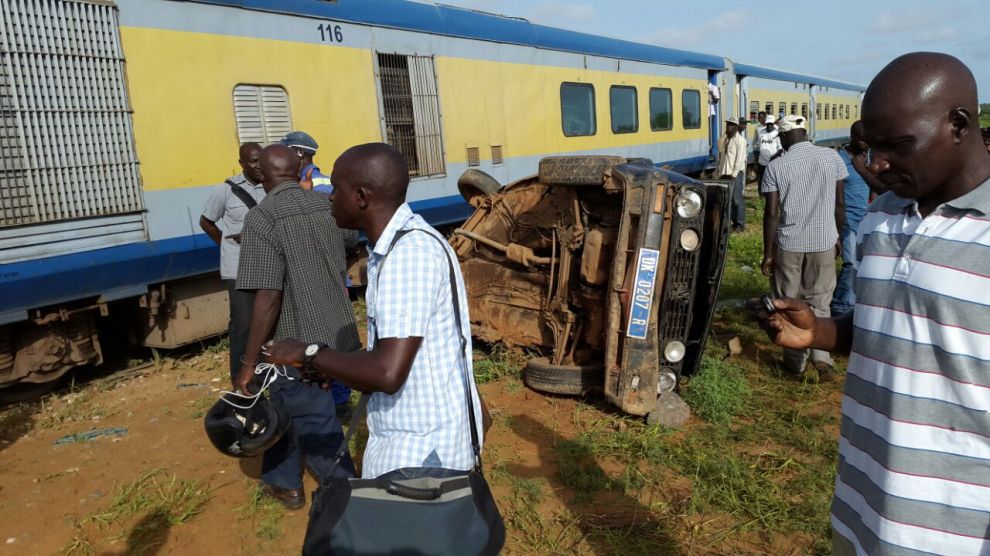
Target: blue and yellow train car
[117,119]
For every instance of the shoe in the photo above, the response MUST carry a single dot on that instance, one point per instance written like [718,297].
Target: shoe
[290,498]
[826,372]
[738,228]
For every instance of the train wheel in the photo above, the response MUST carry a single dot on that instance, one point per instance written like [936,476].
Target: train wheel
[571,380]
[576,170]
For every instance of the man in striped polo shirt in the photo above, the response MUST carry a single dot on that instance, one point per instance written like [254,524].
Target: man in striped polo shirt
[914,453]
[804,211]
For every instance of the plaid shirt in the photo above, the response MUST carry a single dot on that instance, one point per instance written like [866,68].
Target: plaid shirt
[425,423]
[805,177]
[292,244]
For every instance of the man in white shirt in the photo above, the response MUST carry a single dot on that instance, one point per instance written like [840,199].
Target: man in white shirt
[767,146]
[732,166]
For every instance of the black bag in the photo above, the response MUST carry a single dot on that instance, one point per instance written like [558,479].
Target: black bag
[451,512]
[241,194]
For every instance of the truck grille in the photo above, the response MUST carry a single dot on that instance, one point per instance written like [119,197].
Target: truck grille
[675,318]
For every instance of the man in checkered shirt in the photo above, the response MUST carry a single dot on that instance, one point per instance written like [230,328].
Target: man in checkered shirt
[805,208]
[414,366]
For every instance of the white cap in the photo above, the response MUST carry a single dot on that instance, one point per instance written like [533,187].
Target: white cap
[732,121]
[792,122]
[770,119]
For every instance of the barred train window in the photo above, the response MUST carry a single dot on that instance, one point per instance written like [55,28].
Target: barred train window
[411,107]
[835,112]
[623,105]
[577,109]
[661,109]
[804,109]
[262,113]
[818,111]
[847,111]
[691,108]
[754,108]
[794,109]
[783,109]
[769,109]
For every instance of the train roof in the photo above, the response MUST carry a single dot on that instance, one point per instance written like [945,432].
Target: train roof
[780,75]
[473,24]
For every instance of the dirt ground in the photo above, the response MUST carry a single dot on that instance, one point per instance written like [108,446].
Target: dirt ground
[70,497]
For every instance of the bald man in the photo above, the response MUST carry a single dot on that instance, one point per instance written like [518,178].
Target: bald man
[417,359]
[914,457]
[291,258]
[222,220]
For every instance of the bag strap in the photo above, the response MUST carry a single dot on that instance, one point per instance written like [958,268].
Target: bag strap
[455,298]
[241,194]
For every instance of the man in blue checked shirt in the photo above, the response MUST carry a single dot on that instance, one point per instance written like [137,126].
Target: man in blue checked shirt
[414,365]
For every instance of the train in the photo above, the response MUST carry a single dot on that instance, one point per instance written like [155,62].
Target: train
[118,118]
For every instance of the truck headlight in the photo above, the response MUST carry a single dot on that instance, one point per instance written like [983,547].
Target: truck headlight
[674,351]
[690,239]
[688,203]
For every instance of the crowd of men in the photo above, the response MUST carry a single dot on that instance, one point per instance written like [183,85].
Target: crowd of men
[905,205]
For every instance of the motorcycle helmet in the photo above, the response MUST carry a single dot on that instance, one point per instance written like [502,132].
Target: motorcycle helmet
[245,432]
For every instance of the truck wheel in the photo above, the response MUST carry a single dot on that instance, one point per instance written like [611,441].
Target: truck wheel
[475,182]
[576,170]
[572,380]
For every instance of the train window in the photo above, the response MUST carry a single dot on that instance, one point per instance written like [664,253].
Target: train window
[691,108]
[577,109]
[782,109]
[856,111]
[847,111]
[769,108]
[661,109]
[262,113]
[624,108]
[804,109]
[411,108]
[794,108]
[754,108]
[835,115]
[818,111]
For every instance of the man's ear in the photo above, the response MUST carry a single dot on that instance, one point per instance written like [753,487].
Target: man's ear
[961,119]
[361,198]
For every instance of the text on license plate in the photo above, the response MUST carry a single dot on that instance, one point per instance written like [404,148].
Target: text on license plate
[642,294]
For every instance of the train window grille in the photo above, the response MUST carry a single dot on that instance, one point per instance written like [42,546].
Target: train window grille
[835,112]
[497,154]
[473,156]
[577,109]
[754,108]
[661,109]
[804,109]
[847,111]
[769,108]
[818,111]
[410,105]
[691,108]
[624,109]
[66,133]
[794,110]
[262,113]
[782,108]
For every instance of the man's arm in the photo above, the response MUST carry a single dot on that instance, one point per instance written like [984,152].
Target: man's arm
[211,229]
[794,325]
[840,207]
[875,185]
[771,218]
[267,307]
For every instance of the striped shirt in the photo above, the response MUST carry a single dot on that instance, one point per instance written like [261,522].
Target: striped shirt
[425,423]
[805,178]
[914,453]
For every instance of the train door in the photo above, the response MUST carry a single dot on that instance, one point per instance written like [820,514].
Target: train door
[725,81]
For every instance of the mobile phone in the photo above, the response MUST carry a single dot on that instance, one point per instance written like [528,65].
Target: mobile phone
[767,301]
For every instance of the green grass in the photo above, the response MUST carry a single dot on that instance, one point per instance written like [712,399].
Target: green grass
[718,391]
[742,278]
[497,363]
[264,514]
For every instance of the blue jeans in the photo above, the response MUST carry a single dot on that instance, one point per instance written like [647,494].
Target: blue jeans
[314,437]
[844,297]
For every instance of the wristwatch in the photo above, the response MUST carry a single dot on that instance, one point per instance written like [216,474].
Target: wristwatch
[311,351]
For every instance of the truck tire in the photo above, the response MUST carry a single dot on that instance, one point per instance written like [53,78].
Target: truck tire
[576,170]
[572,380]
[475,182]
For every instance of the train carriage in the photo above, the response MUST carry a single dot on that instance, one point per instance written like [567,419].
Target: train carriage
[116,119]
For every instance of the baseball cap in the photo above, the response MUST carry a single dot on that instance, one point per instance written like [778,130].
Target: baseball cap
[300,140]
[743,121]
[770,119]
[792,122]
[732,121]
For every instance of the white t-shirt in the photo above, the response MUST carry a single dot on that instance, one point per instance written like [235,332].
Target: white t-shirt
[768,144]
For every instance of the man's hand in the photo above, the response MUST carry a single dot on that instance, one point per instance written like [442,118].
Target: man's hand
[286,352]
[244,376]
[235,237]
[307,181]
[792,325]
[767,266]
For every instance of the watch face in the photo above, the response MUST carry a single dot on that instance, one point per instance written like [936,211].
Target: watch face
[311,349]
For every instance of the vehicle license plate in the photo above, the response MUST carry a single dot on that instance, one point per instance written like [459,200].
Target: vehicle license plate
[642,299]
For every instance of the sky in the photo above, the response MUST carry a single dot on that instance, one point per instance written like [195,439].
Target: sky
[846,40]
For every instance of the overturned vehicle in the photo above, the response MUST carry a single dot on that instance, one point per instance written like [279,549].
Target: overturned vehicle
[607,267]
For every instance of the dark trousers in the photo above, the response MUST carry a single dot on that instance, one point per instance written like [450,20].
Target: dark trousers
[760,170]
[241,306]
[314,437]
[738,203]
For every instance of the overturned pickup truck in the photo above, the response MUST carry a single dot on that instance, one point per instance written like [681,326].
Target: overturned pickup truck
[607,267]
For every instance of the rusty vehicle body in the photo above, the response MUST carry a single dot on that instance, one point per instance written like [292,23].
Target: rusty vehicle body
[606,266]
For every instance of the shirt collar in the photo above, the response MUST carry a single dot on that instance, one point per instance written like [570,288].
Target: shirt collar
[284,186]
[978,199]
[244,179]
[396,223]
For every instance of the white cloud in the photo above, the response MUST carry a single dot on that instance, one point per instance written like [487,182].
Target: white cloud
[923,25]
[554,13]
[691,36]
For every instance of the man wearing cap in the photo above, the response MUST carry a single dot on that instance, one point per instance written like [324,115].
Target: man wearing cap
[732,166]
[767,144]
[310,177]
[805,209]
[222,220]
